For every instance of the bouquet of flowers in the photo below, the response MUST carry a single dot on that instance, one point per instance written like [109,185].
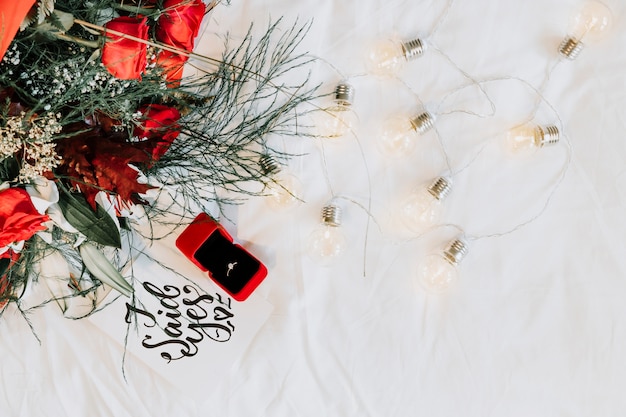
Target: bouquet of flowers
[97,119]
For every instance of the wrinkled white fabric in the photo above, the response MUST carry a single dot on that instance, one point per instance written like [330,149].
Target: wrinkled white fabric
[537,323]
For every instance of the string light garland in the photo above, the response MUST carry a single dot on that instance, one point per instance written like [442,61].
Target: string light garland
[339,119]
[421,210]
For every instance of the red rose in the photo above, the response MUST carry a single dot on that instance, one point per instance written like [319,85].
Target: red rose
[180,22]
[125,58]
[19,219]
[159,127]
[172,65]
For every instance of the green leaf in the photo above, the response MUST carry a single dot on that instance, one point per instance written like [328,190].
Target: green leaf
[97,225]
[100,267]
[9,169]
[57,21]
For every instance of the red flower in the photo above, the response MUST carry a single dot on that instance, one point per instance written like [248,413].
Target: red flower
[180,22]
[172,65]
[159,126]
[125,58]
[19,219]
[95,162]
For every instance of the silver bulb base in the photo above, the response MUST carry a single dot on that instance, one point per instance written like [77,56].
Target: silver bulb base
[269,165]
[440,188]
[423,122]
[331,215]
[455,251]
[344,94]
[547,135]
[413,48]
[570,48]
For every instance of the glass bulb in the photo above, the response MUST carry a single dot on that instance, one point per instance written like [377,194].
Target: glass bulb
[397,138]
[285,191]
[423,207]
[526,138]
[336,121]
[327,242]
[399,134]
[437,272]
[592,22]
[339,119]
[388,57]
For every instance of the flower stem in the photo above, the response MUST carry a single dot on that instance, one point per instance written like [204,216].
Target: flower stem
[165,47]
[80,41]
[134,9]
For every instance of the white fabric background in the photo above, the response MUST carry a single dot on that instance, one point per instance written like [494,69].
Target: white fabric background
[537,324]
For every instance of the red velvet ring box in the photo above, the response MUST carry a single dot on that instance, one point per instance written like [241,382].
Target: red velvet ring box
[208,245]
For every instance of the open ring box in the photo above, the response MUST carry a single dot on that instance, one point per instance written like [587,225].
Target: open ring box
[208,245]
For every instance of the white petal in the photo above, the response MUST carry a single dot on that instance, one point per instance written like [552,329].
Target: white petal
[43,194]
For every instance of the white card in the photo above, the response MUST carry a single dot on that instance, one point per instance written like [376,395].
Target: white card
[180,323]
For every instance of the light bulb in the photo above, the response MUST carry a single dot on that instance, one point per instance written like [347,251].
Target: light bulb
[437,272]
[283,190]
[339,119]
[388,57]
[591,23]
[422,208]
[399,134]
[526,138]
[327,243]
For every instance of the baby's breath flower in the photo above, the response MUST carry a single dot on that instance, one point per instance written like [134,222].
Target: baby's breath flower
[31,139]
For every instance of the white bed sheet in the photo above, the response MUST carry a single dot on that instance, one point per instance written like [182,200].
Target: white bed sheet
[537,323]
